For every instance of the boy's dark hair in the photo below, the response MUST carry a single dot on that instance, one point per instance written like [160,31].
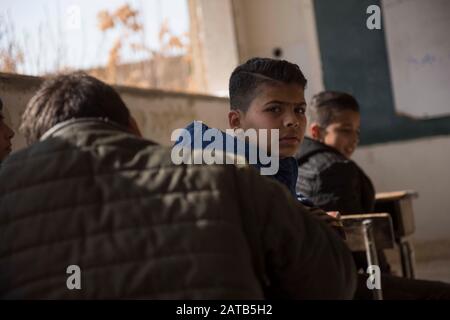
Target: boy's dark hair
[71,96]
[247,77]
[326,105]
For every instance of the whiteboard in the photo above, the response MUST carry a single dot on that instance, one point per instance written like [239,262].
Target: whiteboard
[418,44]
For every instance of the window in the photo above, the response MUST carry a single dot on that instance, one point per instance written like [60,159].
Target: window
[134,43]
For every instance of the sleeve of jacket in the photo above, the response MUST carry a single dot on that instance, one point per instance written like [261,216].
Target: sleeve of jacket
[339,188]
[304,258]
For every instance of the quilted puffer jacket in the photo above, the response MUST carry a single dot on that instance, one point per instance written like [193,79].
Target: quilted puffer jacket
[91,194]
[332,181]
[335,183]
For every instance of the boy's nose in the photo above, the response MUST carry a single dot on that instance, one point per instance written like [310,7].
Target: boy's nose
[292,124]
[292,121]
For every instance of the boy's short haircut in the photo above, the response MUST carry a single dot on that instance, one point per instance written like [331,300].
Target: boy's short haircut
[326,105]
[71,96]
[247,77]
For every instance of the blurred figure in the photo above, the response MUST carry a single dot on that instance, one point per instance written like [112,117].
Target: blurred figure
[6,134]
[333,181]
[327,175]
[90,194]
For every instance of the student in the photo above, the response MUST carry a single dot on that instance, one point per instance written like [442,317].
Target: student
[333,181]
[267,94]
[89,193]
[327,175]
[332,137]
[6,134]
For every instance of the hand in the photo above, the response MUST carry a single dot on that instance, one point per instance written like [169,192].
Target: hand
[332,218]
[334,214]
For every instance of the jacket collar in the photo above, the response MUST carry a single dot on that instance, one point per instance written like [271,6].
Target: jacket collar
[75,125]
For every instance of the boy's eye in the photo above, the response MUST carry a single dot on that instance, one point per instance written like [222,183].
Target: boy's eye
[349,131]
[300,110]
[274,108]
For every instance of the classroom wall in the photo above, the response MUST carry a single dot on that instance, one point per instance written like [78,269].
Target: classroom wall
[158,113]
[213,41]
[421,165]
[264,25]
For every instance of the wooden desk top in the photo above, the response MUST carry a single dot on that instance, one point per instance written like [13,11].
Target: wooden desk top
[396,195]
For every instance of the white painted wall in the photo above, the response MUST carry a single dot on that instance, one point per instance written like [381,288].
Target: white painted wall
[158,113]
[262,25]
[422,165]
[418,47]
[214,43]
[230,32]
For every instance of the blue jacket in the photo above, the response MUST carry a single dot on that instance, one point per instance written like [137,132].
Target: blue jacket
[288,169]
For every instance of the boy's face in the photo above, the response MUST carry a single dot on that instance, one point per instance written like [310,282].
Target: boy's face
[276,106]
[6,135]
[343,133]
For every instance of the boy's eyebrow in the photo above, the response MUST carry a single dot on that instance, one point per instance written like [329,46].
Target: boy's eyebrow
[347,124]
[284,102]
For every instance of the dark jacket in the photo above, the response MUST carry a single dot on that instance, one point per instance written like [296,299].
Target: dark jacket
[93,195]
[331,181]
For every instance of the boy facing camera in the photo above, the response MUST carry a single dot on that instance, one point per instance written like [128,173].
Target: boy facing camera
[267,95]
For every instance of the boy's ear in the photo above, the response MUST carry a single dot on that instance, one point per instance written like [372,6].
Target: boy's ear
[234,119]
[315,131]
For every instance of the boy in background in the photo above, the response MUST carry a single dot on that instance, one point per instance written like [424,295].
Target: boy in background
[327,175]
[333,182]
